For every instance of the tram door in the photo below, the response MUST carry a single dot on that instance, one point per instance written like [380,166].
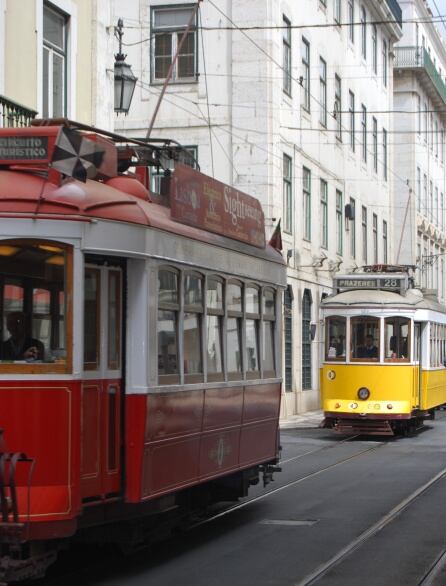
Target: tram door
[102,386]
[418,359]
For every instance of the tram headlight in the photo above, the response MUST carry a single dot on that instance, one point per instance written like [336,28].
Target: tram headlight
[363,393]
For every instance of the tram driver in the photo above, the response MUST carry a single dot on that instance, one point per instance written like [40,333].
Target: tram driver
[369,350]
[19,346]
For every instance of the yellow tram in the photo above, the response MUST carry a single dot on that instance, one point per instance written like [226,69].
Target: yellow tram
[383,369]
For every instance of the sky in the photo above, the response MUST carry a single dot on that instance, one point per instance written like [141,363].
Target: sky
[439,7]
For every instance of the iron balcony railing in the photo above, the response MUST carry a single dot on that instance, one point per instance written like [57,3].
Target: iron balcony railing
[418,58]
[396,11]
[13,114]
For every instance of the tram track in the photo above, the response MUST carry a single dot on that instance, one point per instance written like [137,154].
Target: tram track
[373,530]
[295,482]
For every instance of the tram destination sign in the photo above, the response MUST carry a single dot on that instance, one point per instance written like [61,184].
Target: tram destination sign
[24,148]
[387,282]
[203,202]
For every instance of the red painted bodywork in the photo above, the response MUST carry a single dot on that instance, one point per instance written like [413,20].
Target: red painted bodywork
[172,441]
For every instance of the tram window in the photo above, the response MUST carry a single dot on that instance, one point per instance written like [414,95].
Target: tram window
[335,328]
[234,340]
[193,310]
[114,320]
[396,339]
[234,297]
[167,326]
[364,339]
[92,312]
[252,305]
[269,316]
[234,329]
[34,277]
[214,320]
[167,343]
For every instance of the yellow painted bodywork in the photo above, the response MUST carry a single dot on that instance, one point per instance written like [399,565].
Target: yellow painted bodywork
[397,385]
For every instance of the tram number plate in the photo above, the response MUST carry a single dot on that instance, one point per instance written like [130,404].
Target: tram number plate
[376,283]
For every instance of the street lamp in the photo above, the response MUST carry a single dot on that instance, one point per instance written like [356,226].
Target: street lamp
[125,81]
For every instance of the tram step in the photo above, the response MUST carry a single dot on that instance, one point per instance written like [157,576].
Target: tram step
[367,427]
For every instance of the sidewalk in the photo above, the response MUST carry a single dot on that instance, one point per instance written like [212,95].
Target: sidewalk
[308,420]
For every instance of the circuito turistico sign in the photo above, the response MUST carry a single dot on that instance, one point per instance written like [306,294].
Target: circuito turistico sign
[203,202]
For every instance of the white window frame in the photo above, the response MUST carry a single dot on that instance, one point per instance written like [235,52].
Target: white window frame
[175,40]
[70,9]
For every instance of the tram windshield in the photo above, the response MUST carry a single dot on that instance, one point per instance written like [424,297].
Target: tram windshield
[396,339]
[33,303]
[335,338]
[365,339]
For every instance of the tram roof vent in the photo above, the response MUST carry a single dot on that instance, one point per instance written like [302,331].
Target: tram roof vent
[430,294]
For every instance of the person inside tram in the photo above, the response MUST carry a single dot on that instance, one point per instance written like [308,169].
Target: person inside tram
[369,350]
[341,346]
[19,346]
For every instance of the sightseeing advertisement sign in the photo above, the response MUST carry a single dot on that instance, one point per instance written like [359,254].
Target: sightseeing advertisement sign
[203,202]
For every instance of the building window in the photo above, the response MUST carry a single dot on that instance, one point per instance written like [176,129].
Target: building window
[424,203]
[338,107]
[323,91]
[419,115]
[374,49]
[306,340]
[287,195]
[286,56]
[375,144]
[363,33]
[431,201]
[306,73]
[442,211]
[426,130]
[418,189]
[375,238]
[324,214]
[384,62]
[385,242]
[442,146]
[351,114]
[168,26]
[436,139]
[436,206]
[288,331]
[339,223]
[351,20]
[364,234]
[54,84]
[364,132]
[385,154]
[306,187]
[337,11]
[352,226]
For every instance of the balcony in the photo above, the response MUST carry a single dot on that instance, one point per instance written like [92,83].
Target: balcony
[395,8]
[417,58]
[13,114]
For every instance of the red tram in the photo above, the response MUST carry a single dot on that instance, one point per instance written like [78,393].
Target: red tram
[140,338]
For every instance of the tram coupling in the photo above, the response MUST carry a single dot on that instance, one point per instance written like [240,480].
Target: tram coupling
[268,470]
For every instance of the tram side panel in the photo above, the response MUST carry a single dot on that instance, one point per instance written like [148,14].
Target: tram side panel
[433,391]
[194,436]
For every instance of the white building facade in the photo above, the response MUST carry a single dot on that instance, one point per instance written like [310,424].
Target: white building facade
[289,102]
[420,119]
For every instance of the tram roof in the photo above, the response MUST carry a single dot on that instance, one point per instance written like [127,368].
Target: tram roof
[26,195]
[413,299]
